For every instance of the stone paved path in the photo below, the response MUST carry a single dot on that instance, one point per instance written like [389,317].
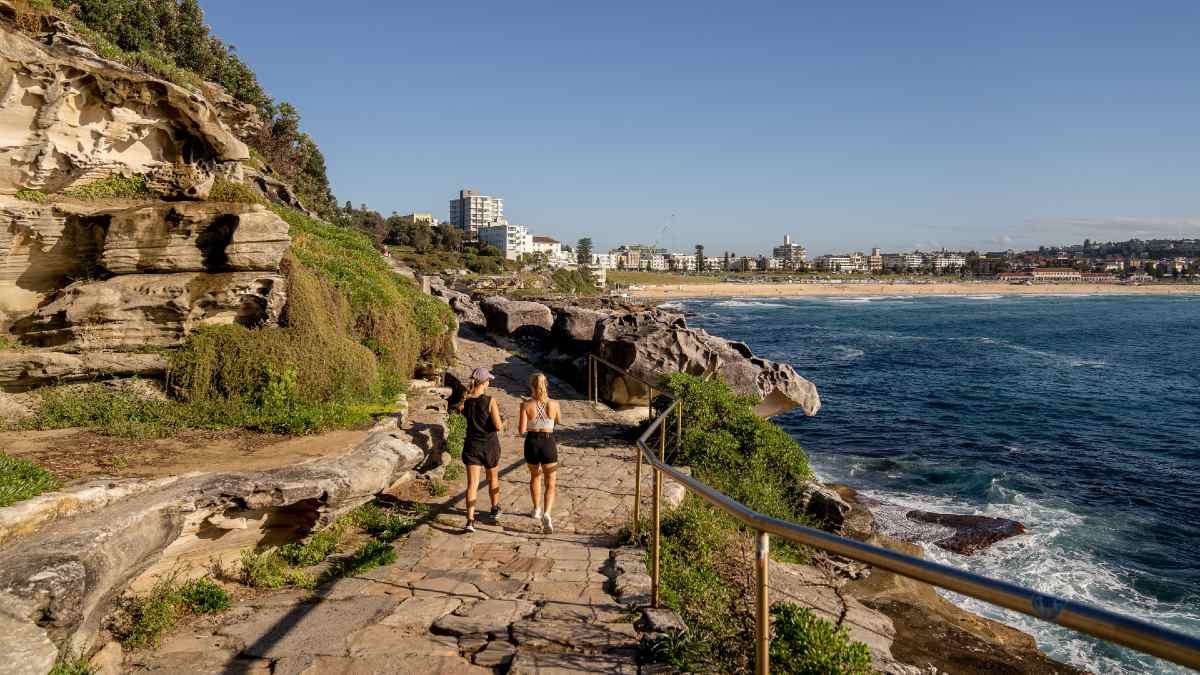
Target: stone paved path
[504,599]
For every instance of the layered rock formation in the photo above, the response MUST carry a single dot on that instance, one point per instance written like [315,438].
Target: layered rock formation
[648,344]
[69,118]
[80,277]
[517,318]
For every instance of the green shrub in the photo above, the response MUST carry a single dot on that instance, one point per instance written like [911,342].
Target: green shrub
[142,620]
[267,570]
[225,190]
[677,649]
[385,525]
[370,555]
[574,282]
[804,644]
[454,471]
[76,666]
[114,187]
[437,488]
[31,195]
[203,596]
[456,434]
[22,479]
[317,548]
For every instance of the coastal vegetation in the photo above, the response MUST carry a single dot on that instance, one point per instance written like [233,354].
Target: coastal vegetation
[22,479]
[705,557]
[141,620]
[352,334]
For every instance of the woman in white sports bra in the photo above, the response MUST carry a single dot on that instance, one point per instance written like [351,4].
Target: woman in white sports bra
[539,415]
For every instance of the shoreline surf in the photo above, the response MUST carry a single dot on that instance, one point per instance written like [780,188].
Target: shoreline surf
[866,290]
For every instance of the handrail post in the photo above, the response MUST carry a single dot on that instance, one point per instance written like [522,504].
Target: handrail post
[650,407]
[637,492]
[656,579]
[762,627]
[678,425]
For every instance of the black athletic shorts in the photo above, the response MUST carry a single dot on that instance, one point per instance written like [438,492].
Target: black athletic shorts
[483,451]
[540,448]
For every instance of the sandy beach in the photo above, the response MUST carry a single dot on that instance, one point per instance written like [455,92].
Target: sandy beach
[717,290]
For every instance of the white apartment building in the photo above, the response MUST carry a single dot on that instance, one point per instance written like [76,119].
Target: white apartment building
[790,256]
[1056,274]
[714,263]
[656,263]
[903,262]
[875,261]
[604,261]
[512,240]
[682,262]
[850,262]
[471,212]
[948,261]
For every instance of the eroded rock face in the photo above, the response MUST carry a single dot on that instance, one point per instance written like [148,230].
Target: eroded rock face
[22,369]
[464,307]
[70,118]
[138,310]
[651,343]
[575,327]
[517,318]
[194,237]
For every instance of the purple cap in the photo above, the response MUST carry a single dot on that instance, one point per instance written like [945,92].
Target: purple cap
[481,375]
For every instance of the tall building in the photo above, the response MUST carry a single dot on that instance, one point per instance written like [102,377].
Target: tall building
[472,211]
[790,256]
[512,240]
[875,261]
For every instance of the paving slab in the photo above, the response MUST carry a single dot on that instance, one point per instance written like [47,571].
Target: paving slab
[316,628]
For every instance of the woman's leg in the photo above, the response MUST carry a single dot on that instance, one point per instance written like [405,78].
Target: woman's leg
[493,476]
[535,485]
[551,480]
[473,471]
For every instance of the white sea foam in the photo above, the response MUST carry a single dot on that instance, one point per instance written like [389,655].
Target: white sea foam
[983,297]
[845,353]
[1089,364]
[678,304]
[746,303]
[1046,560]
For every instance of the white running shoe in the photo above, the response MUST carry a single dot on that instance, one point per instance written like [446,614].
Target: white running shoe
[537,514]
[470,526]
[547,524]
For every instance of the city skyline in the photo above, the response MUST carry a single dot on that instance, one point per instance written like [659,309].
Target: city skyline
[900,126]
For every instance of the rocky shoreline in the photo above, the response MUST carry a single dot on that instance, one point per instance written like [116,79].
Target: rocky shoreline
[931,633]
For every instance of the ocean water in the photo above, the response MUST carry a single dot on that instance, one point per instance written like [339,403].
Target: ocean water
[1078,416]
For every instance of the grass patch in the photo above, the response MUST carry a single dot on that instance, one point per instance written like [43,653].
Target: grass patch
[275,567]
[456,434]
[125,414]
[225,190]
[437,488]
[21,479]
[807,645]
[573,282]
[114,187]
[454,471]
[142,620]
[36,196]
[76,666]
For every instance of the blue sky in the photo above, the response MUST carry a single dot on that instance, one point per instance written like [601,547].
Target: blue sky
[846,125]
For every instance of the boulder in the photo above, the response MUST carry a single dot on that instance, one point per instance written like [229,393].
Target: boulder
[824,506]
[575,328]
[195,237]
[517,318]
[22,369]
[71,118]
[26,648]
[464,307]
[159,310]
[653,343]
[968,534]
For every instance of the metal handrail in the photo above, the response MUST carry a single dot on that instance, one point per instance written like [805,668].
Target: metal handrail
[1110,626]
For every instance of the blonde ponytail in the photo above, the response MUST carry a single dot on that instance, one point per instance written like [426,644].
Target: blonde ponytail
[539,388]
[471,392]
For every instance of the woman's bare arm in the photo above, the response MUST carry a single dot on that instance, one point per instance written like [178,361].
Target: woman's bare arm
[523,425]
[496,419]
[557,413]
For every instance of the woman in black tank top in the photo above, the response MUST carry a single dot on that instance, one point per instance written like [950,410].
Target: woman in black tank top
[481,449]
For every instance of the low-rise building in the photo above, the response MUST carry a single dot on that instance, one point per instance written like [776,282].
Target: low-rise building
[845,263]
[419,219]
[875,261]
[513,241]
[903,262]
[604,261]
[1056,274]
[944,262]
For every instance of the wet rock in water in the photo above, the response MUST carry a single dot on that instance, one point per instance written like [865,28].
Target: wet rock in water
[517,318]
[651,343]
[971,534]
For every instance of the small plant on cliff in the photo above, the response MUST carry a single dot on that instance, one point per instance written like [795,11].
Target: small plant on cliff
[28,195]
[456,434]
[75,666]
[807,645]
[113,187]
[21,479]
